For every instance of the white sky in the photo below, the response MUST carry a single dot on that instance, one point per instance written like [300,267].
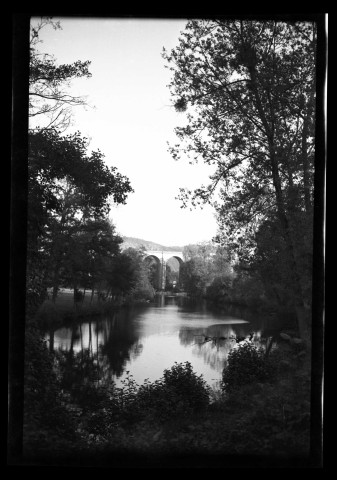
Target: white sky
[132,121]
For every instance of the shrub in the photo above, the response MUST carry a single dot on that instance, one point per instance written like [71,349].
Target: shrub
[190,388]
[246,364]
[179,392]
[218,288]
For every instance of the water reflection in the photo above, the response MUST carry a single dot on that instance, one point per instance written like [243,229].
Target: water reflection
[213,343]
[121,343]
[146,340]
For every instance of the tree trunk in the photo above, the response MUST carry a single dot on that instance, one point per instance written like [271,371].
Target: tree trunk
[302,314]
[55,283]
[51,340]
[280,205]
[305,166]
[73,334]
[75,295]
[90,339]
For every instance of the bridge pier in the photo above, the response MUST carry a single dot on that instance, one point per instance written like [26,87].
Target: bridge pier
[163,274]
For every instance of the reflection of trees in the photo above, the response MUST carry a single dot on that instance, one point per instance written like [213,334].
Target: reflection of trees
[78,368]
[81,367]
[191,305]
[136,350]
[212,354]
[103,349]
[213,343]
[160,300]
[192,335]
[99,350]
[121,342]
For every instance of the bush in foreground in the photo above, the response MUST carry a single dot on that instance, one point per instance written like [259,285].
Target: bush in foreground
[179,391]
[246,364]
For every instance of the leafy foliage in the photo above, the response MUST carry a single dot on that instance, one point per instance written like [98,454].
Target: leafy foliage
[205,263]
[248,90]
[47,423]
[270,260]
[130,275]
[90,253]
[246,364]
[180,392]
[54,158]
[68,200]
[219,289]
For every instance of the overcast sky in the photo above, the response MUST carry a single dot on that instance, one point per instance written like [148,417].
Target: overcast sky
[132,121]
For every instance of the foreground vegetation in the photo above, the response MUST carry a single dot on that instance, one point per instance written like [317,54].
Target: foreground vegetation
[261,411]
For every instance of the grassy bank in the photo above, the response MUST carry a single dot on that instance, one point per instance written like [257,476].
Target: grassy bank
[65,309]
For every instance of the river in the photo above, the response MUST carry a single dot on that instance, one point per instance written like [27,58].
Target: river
[145,340]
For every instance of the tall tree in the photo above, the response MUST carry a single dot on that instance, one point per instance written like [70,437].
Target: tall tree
[67,189]
[50,100]
[249,91]
[89,251]
[130,275]
[203,264]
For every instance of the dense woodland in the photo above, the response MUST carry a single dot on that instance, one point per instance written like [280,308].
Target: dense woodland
[247,90]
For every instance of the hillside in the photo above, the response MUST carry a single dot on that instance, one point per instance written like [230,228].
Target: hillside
[138,242]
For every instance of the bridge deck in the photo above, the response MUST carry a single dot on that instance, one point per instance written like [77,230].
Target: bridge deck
[165,255]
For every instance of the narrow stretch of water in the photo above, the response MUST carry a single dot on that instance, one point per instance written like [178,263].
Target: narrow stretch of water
[146,340]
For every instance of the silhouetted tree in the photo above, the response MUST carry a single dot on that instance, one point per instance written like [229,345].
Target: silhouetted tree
[248,88]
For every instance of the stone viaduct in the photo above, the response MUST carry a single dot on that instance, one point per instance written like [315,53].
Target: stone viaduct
[162,257]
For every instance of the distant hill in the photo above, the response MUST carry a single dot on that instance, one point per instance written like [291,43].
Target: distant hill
[132,242]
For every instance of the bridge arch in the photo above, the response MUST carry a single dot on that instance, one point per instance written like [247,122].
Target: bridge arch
[180,260]
[154,264]
[159,260]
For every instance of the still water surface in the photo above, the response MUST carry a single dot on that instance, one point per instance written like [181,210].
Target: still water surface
[146,340]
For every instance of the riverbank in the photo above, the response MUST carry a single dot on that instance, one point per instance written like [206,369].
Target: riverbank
[262,422]
[283,317]
[64,309]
